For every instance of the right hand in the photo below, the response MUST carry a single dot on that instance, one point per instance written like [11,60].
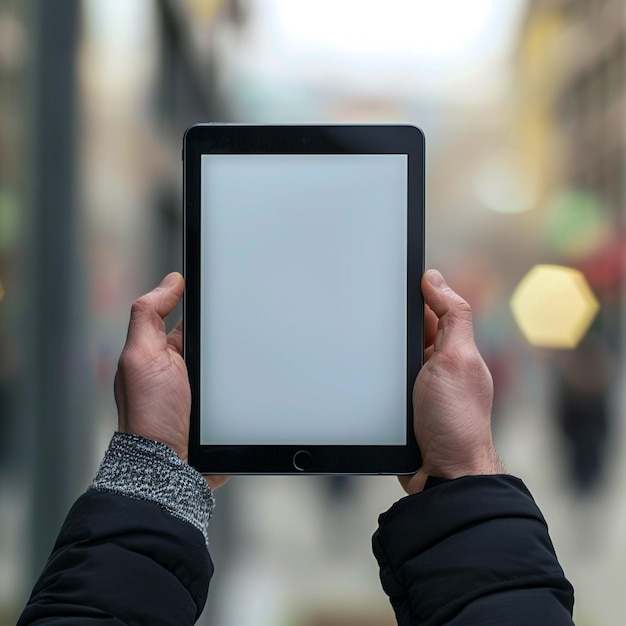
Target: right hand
[453,393]
[151,384]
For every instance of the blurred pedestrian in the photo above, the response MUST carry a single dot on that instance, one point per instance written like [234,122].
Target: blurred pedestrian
[581,406]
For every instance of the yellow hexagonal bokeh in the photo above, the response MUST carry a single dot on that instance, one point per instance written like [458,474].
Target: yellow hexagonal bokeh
[554,306]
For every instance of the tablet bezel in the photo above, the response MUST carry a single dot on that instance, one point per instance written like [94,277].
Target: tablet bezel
[204,139]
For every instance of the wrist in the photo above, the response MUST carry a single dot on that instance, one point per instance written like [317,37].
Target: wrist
[144,469]
[487,465]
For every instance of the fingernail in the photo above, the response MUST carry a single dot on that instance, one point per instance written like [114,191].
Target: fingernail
[436,280]
[170,280]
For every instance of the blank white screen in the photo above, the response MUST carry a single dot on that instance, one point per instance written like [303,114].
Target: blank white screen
[303,299]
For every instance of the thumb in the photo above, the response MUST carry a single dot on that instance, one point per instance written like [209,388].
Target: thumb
[453,312]
[167,295]
[149,311]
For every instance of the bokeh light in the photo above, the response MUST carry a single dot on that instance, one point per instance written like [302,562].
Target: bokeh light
[554,306]
[576,223]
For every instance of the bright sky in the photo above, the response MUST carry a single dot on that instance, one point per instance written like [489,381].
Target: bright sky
[419,45]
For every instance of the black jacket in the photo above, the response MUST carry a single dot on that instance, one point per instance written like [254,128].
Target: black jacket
[471,551]
[121,560]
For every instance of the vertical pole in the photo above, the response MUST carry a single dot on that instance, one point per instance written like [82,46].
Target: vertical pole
[57,427]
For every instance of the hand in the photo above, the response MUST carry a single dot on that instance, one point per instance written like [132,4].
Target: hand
[453,393]
[152,390]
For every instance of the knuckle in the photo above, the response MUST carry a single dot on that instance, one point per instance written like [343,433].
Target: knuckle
[470,358]
[478,370]
[467,359]
[129,360]
[141,306]
[463,308]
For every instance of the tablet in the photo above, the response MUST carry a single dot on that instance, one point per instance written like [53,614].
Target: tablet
[303,315]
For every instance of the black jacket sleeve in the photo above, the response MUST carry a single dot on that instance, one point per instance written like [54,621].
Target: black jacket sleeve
[121,560]
[475,550]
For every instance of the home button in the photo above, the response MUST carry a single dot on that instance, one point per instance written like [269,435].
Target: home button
[302,460]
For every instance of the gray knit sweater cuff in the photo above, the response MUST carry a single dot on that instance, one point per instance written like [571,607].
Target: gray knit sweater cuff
[148,470]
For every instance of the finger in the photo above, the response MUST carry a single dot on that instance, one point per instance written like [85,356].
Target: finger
[216,481]
[168,294]
[430,326]
[175,337]
[414,483]
[454,313]
[147,313]
[404,480]
[428,353]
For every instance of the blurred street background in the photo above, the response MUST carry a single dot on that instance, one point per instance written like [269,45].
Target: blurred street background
[523,103]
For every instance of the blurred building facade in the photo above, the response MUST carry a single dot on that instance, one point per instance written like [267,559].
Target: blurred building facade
[571,120]
[571,61]
[93,107]
[591,103]
[591,118]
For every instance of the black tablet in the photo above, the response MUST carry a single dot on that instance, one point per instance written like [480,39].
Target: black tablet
[303,314]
